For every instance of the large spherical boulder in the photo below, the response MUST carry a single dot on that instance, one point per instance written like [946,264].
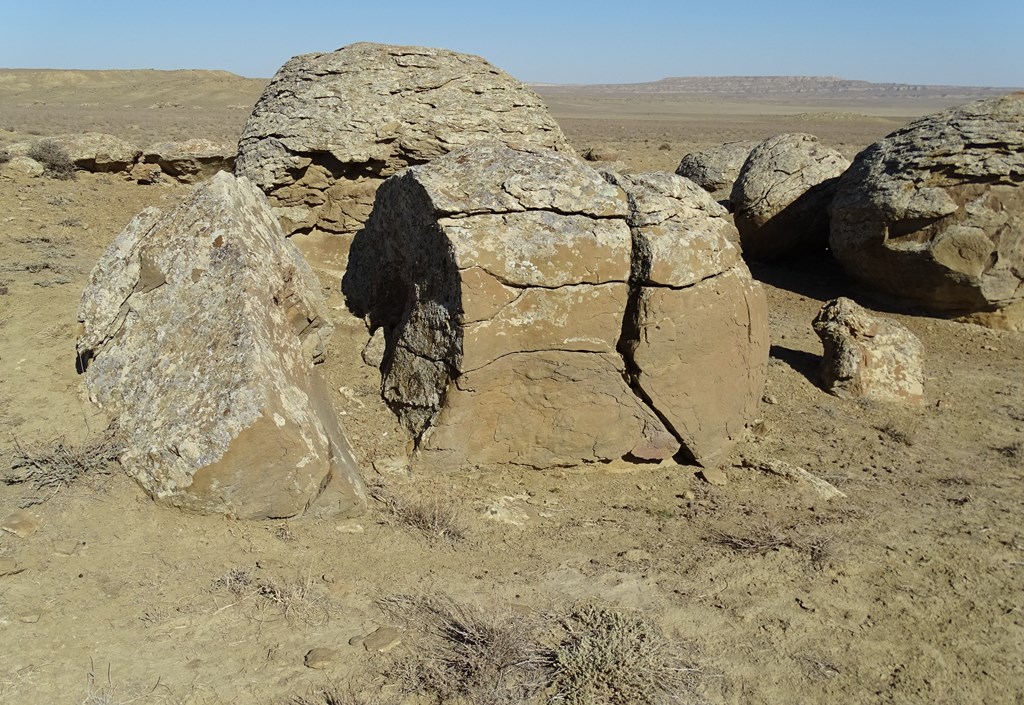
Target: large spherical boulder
[715,169]
[933,214]
[329,128]
[781,196]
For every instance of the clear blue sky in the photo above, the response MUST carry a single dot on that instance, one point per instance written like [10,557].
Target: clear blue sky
[979,42]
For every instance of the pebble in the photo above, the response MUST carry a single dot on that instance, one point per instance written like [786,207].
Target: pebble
[9,566]
[769,399]
[21,523]
[380,640]
[349,528]
[320,657]
[30,617]
[714,476]
[66,548]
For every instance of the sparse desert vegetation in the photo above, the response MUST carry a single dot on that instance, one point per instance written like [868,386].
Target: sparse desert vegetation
[610,582]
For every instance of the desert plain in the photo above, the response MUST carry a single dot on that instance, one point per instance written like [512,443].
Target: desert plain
[906,589]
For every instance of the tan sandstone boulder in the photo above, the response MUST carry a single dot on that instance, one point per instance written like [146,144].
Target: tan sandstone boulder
[868,356]
[199,327]
[513,269]
[933,214]
[502,279]
[190,161]
[715,169]
[329,128]
[781,196]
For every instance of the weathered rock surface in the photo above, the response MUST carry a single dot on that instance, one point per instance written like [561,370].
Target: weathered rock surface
[502,279]
[933,214]
[21,166]
[329,128]
[696,333]
[781,196]
[715,169]
[190,161]
[199,329]
[503,276]
[867,356]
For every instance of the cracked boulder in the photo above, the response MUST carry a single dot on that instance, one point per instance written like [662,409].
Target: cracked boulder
[200,326]
[329,128]
[868,357]
[933,214]
[501,278]
[715,169]
[780,199]
[696,332]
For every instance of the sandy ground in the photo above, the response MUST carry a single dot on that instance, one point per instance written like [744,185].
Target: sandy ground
[907,590]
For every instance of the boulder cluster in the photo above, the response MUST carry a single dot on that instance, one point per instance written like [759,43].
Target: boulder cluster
[526,308]
[931,216]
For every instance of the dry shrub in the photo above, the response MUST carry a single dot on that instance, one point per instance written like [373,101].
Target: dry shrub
[492,656]
[334,696]
[435,519]
[55,159]
[467,654]
[5,155]
[55,464]
[617,657]
[299,599]
[765,538]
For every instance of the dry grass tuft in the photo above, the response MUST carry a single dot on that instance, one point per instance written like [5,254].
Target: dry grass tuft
[765,538]
[55,159]
[435,519]
[299,599]
[466,653]
[617,657]
[590,654]
[334,696]
[53,465]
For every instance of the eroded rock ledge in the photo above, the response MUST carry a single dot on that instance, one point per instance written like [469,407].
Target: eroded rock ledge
[535,313]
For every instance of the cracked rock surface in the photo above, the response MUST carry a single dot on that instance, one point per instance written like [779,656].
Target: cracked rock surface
[781,196]
[199,330]
[329,128]
[695,336]
[502,279]
[933,214]
[868,356]
[715,169]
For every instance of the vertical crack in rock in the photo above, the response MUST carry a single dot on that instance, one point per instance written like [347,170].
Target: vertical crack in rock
[694,334]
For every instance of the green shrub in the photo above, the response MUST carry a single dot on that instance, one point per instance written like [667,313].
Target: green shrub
[55,159]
